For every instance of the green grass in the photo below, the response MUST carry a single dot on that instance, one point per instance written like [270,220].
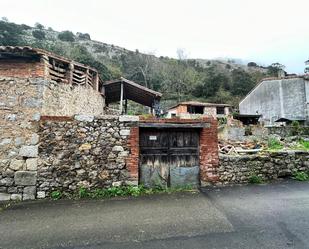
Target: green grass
[301,176]
[100,193]
[56,195]
[304,144]
[255,179]
[274,144]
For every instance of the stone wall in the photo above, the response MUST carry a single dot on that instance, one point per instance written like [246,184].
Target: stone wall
[242,133]
[238,169]
[66,100]
[285,131]
[65,154]
[20,103]
[87,152]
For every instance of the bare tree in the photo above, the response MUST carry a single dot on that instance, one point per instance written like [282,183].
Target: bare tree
[182,54]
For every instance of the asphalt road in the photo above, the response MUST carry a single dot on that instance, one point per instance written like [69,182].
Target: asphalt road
[255,216]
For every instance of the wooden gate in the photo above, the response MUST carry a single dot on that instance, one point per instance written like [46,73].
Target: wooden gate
[169,157]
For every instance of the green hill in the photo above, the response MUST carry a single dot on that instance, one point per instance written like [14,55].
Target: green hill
[222,81]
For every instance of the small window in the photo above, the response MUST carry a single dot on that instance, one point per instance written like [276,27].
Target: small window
[173,115]
[196,109]
[220,110]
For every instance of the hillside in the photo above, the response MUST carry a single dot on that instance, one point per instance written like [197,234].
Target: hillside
[178,79]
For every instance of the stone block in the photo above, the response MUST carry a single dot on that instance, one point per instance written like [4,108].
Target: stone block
[16,197]
[3,189]
[36,117]
[16,164]
[117,148]
[117,184]
[28,197]
[84,118]
[7,181]
[85,146]
[29,151]
[32,164]
[19,141]
[25,178]
[33,103]
[5,197]
[125,132]
[128,118]
[131,183]
[5,141]
[12,190]
[41,194]
[11,117]
[34,139]
[123,154]
[29,193]
[31,190]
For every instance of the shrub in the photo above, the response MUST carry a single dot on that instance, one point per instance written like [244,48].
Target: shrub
[56,195]
[252,64]
[274,144]
[39,25]
[38,34]
[255,179]
[83,193]
[301,176]
[295,128]
[304,144]
[66,36]
[83,36]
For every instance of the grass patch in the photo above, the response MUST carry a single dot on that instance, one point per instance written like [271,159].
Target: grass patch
[274,144]
[304,144]
[101,193]
[255,179]
[301,176]
[56,195]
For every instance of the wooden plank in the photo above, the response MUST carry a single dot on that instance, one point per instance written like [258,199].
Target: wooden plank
[121,97]
[57,68]
[172,125]
[56,73]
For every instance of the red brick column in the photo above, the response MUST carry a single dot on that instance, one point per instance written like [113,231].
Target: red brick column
[133,159]
[209,158]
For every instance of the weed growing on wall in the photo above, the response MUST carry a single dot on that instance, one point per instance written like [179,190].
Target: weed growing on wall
[301,176]
[56,195]
[255,179]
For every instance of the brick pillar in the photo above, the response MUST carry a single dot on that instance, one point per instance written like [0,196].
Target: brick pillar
[209,158]
[133,159]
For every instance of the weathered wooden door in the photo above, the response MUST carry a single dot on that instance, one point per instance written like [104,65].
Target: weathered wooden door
[169,157]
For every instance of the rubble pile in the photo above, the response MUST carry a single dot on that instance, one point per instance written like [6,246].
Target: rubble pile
[236,147]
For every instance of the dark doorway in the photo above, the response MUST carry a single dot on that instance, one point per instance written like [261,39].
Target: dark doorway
[196,109]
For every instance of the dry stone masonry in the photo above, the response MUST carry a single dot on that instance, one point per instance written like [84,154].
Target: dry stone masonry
[85,152]
[239,169]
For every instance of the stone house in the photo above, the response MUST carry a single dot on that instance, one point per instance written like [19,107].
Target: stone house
[54,85]
[191,109]
[56,134]
[276,99]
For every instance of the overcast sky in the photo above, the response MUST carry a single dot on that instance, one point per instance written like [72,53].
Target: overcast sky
[264,31]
